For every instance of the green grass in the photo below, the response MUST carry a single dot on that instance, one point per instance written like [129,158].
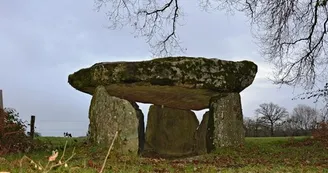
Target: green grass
[276,154]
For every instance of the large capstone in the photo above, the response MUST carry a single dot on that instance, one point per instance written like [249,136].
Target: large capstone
[225,121]
[177,82]
[109,115]
[170,132]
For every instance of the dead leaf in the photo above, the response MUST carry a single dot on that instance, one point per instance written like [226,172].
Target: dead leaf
[53,156]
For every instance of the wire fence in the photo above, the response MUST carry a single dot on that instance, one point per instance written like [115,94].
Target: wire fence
[59,127]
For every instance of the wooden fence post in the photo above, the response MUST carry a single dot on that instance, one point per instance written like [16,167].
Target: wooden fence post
[32,126]
[1,100]
[2,115]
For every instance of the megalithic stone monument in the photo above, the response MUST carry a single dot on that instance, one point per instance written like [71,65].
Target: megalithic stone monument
[174,86]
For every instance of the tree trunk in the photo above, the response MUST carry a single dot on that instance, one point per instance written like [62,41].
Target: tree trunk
[256,132]
[271,129]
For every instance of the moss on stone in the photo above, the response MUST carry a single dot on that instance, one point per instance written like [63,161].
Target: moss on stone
[109,115]
[175,72]
[226,121]
[170,132]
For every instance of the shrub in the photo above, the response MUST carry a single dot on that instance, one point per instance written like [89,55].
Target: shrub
[321,132]
[13,137]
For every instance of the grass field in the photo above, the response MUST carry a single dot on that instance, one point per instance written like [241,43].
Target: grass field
[276,154]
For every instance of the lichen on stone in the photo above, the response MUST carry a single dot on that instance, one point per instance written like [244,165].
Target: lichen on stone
[193,74]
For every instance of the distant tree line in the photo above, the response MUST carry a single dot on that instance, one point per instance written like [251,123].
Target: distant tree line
[274,120]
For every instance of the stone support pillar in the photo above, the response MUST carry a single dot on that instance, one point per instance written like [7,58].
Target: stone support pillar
[170,132]
[109,114]
[226,121]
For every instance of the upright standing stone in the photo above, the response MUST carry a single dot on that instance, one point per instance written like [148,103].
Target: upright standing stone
[201,135]
[109,114]
[170,132]
[226,121]
[141,129]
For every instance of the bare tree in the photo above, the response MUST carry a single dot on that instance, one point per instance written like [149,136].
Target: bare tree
[155,20]
[305,117]
[317,95]
[255,127]
[291,33]
[249,126]
[323,115]
[293,37]
[271,114]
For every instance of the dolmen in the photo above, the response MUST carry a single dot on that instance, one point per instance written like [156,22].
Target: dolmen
[174,86]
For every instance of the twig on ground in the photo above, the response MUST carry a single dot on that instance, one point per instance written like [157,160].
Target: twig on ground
[61,158]
[110,148]
[46,169]
[62,163]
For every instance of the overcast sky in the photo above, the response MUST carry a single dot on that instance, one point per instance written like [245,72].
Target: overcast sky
[42,42]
